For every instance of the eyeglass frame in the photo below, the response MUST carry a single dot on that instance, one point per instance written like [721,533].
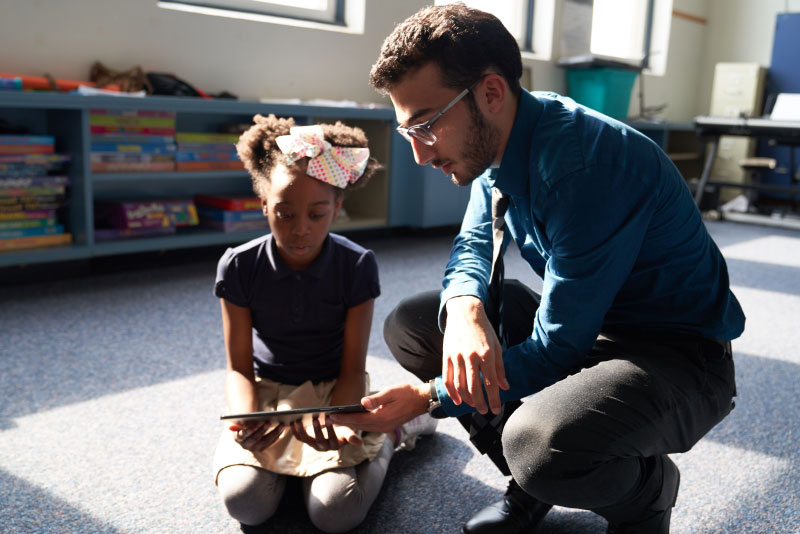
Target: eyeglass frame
[426,126]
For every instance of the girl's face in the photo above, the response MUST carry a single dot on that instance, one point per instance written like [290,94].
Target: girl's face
[300,210]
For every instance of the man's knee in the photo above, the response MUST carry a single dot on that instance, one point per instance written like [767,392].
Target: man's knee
[539,453]
[412,333]
[526,447]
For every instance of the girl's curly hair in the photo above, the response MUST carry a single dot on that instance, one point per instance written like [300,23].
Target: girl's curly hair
[260,153]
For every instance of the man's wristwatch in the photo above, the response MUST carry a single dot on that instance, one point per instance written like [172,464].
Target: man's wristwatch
[435,409]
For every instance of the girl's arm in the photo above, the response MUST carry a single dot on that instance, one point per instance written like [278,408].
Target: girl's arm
[240,385]
[350,386]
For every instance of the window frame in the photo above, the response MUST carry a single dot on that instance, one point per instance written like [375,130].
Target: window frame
[334,15]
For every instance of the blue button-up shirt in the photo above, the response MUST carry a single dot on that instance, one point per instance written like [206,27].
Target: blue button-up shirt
[602,215]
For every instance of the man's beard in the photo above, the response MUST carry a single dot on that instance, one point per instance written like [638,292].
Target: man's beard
[480,149]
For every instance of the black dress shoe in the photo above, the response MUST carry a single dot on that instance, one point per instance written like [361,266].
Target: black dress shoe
[655,521]
[517,513]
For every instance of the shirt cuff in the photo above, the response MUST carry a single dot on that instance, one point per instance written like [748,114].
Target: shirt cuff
[447,403]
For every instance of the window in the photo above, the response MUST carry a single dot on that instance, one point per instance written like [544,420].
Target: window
[636,31]
[320,11]
[516,15]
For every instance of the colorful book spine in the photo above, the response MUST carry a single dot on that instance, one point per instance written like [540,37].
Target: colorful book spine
[27,149]
[206,156]
[101,157]
[133,166]
[214,214]
[208,165]
[214,138]
[129,130]
[22,215]
[32,181]
[34,159]
[6,192]
[133,139]
[228,202]
[206,147]
[27,223]
[27,140]
[31,232]
[131,121]
[35,241]
[133,148]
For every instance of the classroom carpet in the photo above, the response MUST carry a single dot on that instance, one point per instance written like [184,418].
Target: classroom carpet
[112,388]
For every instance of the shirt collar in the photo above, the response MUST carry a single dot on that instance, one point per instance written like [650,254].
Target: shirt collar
[512,176]
[316,269]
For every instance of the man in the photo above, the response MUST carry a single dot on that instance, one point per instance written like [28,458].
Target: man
[625,357]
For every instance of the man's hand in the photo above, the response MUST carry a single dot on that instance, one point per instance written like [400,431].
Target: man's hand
[389,408]
[471,350]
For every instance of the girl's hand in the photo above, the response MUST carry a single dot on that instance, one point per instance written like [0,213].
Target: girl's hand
[336,437]
[258,437]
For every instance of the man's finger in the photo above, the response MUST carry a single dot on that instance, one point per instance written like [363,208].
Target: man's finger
[491,383]
[462,381]
[449,385]
[476,389]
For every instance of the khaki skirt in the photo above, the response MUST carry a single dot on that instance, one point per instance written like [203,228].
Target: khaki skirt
[289,456]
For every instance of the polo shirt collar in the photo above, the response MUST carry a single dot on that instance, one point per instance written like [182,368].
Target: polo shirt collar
[316,269]
[512,175]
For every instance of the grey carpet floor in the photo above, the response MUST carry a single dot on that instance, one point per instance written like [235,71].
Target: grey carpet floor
[111,385]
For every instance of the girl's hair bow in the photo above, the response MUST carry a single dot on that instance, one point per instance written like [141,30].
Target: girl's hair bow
[335,165]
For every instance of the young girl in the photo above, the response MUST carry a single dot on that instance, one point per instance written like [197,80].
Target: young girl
[296,313]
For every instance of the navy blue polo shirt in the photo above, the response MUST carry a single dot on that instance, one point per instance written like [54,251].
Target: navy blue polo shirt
[298,316]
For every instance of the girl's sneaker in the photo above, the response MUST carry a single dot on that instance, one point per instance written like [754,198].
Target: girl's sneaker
[408,433]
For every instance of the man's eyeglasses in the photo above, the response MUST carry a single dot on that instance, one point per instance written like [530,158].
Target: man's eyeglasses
[422,132]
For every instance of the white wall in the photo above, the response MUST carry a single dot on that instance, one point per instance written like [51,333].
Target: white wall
[678,86]
[739,31]
[255,60]
[250,59]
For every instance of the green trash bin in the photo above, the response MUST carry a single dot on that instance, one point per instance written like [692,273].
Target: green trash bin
[604,89]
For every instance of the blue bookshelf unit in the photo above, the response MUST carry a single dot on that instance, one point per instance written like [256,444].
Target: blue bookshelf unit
[389,200]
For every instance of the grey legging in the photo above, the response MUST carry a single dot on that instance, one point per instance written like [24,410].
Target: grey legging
[336,500]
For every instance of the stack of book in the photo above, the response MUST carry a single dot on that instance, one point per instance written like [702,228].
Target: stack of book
[31,194]
[132,141]
[230,213]
[206,152]
[125,219]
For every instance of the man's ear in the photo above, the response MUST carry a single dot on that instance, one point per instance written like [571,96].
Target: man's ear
[494,92]
[264,208]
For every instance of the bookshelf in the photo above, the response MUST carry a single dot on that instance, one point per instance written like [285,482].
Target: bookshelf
[385,202]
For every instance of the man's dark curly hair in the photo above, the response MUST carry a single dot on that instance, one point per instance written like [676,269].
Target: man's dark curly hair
[464,42]
[260,153]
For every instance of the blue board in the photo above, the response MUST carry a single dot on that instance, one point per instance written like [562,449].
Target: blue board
[783,77]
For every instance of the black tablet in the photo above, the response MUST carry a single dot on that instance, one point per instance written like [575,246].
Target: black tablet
[287,416]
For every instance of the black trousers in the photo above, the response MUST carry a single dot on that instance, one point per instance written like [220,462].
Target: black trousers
[595,440]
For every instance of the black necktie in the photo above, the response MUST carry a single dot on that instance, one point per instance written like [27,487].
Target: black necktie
[485,431]
[494,300]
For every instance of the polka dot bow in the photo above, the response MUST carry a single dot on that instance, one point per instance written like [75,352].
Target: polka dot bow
[335,165]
